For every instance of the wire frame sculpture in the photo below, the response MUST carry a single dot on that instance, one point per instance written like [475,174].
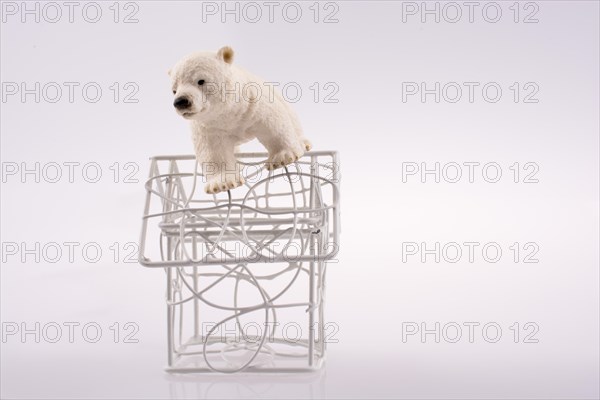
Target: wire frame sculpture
[246,268]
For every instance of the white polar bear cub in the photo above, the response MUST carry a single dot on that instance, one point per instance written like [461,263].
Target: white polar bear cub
[227,106]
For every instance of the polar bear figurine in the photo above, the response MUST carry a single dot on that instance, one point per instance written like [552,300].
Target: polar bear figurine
[228,106]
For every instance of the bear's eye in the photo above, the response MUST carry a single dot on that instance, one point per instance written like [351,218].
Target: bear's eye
[201,82]
[174,91]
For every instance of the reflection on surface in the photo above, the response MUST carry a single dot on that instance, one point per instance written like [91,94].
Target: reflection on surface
[307,385]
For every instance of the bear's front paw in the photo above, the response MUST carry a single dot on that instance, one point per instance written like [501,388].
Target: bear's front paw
[282,158]
[215,186]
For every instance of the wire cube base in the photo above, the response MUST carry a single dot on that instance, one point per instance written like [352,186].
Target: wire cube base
[245,268]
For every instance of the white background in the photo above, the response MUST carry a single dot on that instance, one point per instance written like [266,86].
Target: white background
[368,53]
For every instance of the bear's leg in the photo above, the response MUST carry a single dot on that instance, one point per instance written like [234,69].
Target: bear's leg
[299,132]
[280,156]
[219,165]
[283,145]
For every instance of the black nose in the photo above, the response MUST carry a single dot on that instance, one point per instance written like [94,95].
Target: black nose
[182,103]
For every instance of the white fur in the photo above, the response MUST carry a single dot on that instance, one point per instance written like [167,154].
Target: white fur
[231,108]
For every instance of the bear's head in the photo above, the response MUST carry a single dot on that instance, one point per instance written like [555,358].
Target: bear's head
[197,82]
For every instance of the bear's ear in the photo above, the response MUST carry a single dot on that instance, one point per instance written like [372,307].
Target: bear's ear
[169,72]
[226,54]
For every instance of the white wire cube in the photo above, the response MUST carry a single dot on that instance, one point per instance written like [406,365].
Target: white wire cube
[245,268]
